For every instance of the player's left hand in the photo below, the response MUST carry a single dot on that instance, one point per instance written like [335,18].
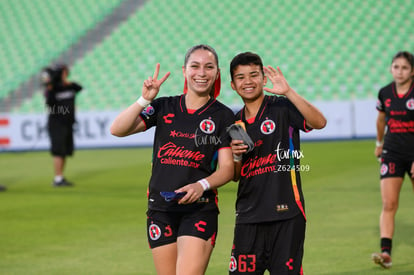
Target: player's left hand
[412,170]
[280,84]
[194,192]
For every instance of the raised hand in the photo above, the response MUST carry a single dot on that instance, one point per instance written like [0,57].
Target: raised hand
[280,85]
[152,85]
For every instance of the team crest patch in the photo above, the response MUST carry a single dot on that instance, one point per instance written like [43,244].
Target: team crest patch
[149,110]
[410,104]
[267,127]
[233,264]
[154,232]
[207,126]
[384,169]
[379,104]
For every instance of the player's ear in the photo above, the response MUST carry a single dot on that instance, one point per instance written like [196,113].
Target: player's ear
[183,71]
[232,85]
[264,80]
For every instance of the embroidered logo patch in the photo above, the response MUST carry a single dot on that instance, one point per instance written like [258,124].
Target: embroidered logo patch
[233,264]
[282,207]
[384,169]
[267,127]
[154,232]
[410,104]
[207,126]
[149,110]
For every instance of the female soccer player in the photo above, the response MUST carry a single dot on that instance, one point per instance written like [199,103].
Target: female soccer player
[395,146]
[270,211]
[190,143]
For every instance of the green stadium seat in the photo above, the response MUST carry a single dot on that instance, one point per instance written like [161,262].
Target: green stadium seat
[329,50]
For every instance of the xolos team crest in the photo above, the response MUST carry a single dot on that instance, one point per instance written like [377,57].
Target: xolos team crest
[154,232]
[268,126]
[233,264]
[410,104]
[207,126]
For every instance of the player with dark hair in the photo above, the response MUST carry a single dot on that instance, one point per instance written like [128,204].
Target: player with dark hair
[191,158]
[60,96]
[270,211]
[394,145]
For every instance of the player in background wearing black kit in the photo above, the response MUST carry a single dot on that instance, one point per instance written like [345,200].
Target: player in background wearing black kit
[394,145]
[270,211]
[191,155]
[60,96]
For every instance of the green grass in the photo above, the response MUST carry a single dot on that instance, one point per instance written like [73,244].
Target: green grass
[98,227]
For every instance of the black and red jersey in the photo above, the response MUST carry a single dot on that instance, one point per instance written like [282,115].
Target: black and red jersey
[185,148]
[399,111]
[270,184]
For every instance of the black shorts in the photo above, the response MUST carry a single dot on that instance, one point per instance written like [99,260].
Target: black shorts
[392,167]
[164,227]
[61,138]
[273,246]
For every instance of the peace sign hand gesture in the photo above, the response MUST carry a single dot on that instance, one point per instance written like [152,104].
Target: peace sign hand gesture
[280,85]
[152,85]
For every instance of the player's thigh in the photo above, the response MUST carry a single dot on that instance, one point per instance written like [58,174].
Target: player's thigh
[195,241]
[390,191]
[193,255]
[162,230]
[165,259]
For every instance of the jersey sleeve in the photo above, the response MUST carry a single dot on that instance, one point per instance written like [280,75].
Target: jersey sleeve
[296,118]
[149,114]
[380,102]
[76,87]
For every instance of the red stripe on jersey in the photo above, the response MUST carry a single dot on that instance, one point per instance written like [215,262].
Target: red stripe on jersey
[394,91]
[208,106]
[216,198]
[181,103]
[299,203]
[306,128]
[143,120]
[264,108]
[296,192]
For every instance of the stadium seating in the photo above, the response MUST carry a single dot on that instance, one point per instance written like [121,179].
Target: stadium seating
[36,31]
[328,50]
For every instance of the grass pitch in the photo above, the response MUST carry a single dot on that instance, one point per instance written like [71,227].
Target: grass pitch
[98,227]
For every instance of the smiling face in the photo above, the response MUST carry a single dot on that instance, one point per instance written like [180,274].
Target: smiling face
[402,71]
[248,81]
[201,71]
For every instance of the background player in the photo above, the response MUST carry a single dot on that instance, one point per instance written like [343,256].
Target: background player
[270,215]
[395,146]
[60,96]
[190,138]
